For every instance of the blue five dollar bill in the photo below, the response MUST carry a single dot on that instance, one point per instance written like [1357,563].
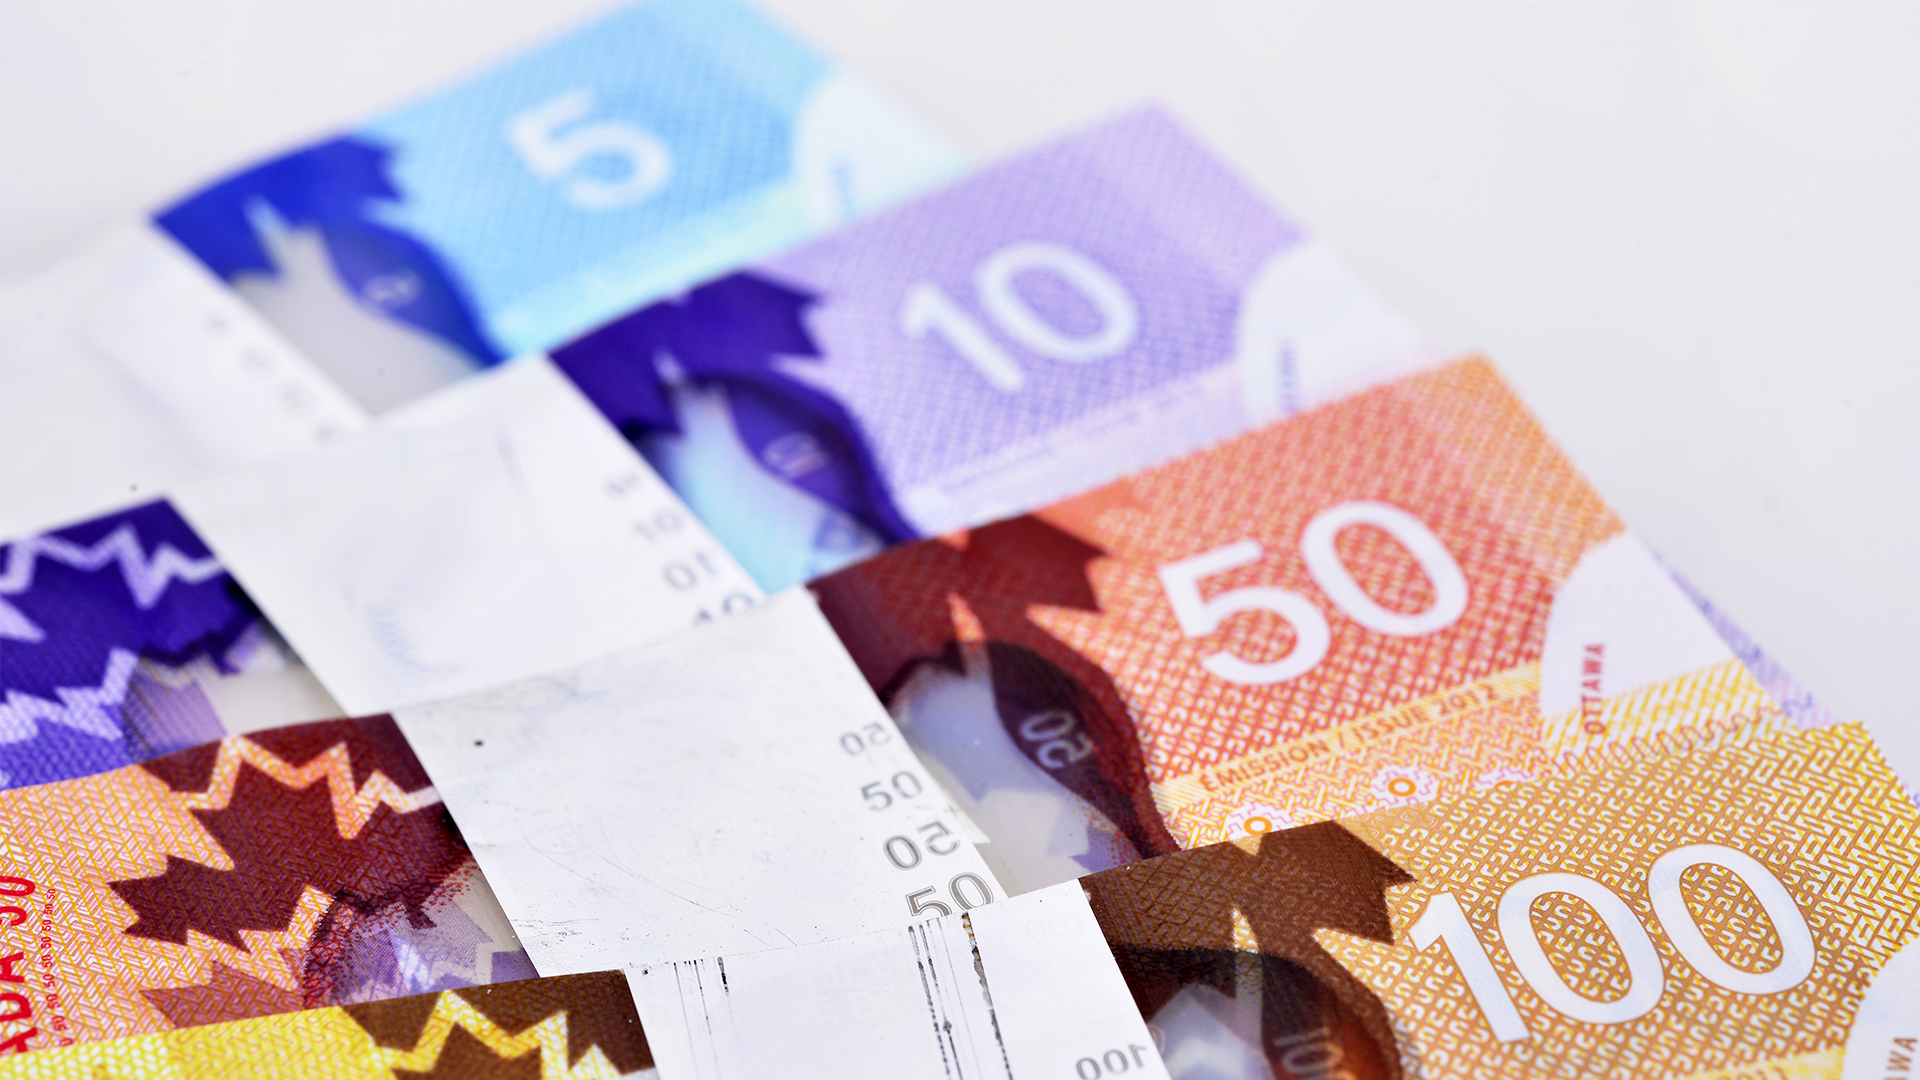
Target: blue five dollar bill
[653,148]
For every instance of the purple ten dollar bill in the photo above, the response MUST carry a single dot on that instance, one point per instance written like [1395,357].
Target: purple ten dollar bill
[1100,304]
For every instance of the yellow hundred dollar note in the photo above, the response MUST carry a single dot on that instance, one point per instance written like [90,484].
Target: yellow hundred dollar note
[1403,594]
[1743,910]
[576,1027]
[285,870]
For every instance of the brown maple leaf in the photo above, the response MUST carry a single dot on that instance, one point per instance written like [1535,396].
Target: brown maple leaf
[230,994]
[281,841]
[1170,923]
[598,1007]
[374,744]
[465,1057]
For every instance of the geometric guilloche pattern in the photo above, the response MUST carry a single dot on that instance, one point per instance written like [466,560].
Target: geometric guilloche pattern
[1347,943]
[89,615]
[573,1027]
[1800,859]
[228,995]
[307,866]
[282,839]
[1384,703]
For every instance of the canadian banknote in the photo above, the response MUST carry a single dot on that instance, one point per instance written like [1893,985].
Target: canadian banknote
[733,788]
[1405,593]
[1099,304]
[574,1027]
[642,152]
[123,638]
[1746,908]
[306,866]
[652,148]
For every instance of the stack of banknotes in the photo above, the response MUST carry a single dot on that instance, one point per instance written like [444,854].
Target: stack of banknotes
[648,563]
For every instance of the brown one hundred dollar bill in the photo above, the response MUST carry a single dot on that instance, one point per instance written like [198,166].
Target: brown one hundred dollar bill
[1740,910]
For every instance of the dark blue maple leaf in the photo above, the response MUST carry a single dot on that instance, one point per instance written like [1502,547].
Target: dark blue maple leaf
[729,333]
[334,187]
[139,580]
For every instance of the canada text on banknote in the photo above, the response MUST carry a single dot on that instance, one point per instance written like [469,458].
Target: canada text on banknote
[305,866]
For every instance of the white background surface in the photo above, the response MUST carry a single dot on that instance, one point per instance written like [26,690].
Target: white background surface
[1689,231]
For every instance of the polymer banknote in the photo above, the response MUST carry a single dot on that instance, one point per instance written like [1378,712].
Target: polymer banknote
[574,1027]
[645,151]
[1405,593]
[122,639]
[1745,908]
[656,146]
[306,866]
[1099,304]
[732,789]
[1749,906]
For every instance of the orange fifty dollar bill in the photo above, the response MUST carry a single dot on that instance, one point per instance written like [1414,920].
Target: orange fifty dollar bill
[580,1027]
[1406,593]
[1744,910]
[284,870]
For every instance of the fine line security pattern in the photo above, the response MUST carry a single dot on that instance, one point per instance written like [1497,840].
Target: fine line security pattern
[1171,668]
[1101,303]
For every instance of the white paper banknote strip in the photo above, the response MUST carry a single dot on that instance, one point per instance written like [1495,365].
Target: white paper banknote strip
[1024,988]
[126,369]
[732,789]
[498,531]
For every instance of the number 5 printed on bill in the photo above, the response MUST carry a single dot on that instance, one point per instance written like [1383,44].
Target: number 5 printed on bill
[657,146]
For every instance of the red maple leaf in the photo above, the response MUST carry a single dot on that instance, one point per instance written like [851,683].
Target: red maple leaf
[282,840]
[374,744]
[894,616]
